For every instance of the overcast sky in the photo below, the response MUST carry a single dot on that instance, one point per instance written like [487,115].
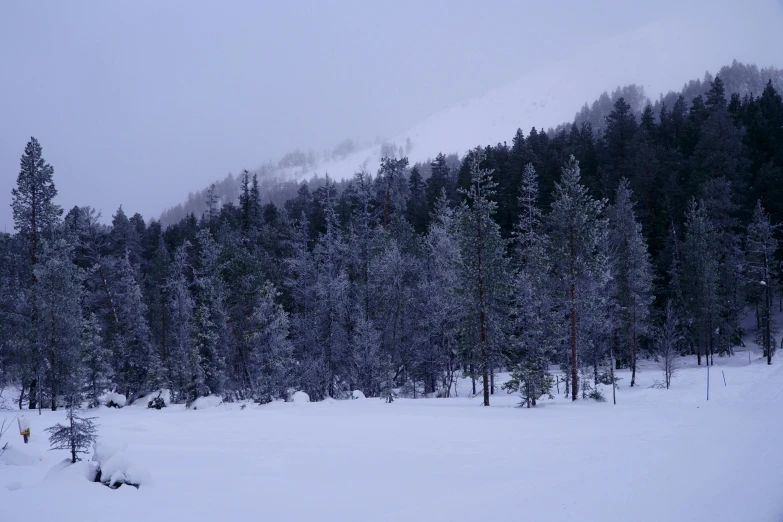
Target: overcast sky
[139,102]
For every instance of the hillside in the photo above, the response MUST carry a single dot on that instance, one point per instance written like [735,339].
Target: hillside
[641,65]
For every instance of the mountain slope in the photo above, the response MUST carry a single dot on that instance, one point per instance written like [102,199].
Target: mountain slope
[659,57]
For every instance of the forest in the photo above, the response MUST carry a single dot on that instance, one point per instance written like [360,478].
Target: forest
[588,248]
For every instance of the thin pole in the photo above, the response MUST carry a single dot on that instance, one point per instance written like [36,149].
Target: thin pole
[708,382]
[724,377]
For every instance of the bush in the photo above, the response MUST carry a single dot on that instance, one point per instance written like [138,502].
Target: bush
[156,403]
[596,395]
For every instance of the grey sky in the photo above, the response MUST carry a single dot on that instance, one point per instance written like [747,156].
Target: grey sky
[139,102]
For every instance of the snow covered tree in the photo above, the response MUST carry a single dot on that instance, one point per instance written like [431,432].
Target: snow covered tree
[531,303]
[721,210]
[271,352]
[95,361]
[365,348]
[78,435]
[136,365]
[35,217]
[632,277]
[59,322]
[327,368]
[35,213]
[210,328]
[699,279]
[483,275]
[184,362]
[668,341]
[441,302]
[576,229]
[394,186]
[761,247]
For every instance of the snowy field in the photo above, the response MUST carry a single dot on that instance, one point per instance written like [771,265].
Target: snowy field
[657,456]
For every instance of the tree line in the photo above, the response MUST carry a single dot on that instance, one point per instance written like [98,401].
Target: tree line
[584,249]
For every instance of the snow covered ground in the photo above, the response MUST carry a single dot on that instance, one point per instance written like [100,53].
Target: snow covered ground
[658,455]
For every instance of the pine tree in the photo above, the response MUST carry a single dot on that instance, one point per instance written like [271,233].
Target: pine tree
[95,360]
[210,329]
[416,212]
[483,276]
[576,229]
[668,342]
[761,246]
[442,306]
[271,352]
[531,304]
[699,279]
[438,181]
[35,217]
[632,277]
[393,185]
[59,322]
[184,362]
[78,435]
[136,366]
[620,128]
[35,213]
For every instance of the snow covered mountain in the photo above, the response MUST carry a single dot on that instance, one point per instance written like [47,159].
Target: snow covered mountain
[660,57]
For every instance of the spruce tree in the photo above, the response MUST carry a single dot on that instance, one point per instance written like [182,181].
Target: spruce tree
[484,272]
[632,276]
[531,304]
[761,246]
[59,322]
[35,217]
[576,229]
[699,279]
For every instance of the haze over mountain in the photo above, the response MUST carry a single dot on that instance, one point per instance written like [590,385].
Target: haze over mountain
[140,118]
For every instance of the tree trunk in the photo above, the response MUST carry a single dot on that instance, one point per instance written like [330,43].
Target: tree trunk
[574,384]
[73,442]
[483,319]
[572,261]
[633,350]
[21,396]
[767,328]
[611,365]
[33,402]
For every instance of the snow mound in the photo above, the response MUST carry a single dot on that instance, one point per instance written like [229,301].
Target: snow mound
[358,394]
[113,399]
[116,466]
[299,397]
[14,456]
[210,401]
[164,394]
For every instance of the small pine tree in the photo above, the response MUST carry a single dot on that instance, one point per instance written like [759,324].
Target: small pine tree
[761,247]
[78,435]
[668,341]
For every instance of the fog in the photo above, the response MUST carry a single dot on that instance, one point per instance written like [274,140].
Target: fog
[137,103]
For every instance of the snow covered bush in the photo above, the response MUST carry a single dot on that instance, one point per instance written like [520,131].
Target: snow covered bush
[209,401]
[299,397]
[113,466]
[357,394]
[157,402]
[113,400]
